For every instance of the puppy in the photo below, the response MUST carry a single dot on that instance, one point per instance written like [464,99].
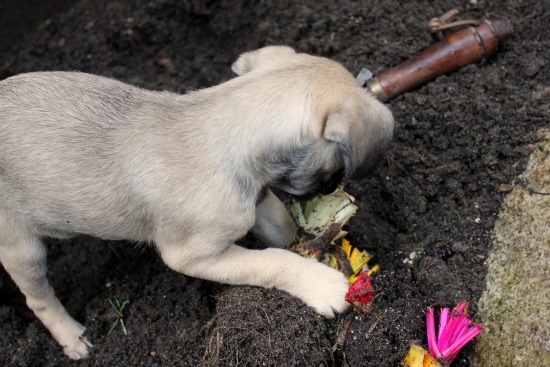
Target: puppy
[83,154]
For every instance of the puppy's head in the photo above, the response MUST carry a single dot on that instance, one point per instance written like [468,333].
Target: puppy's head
[348,130]
[355,135]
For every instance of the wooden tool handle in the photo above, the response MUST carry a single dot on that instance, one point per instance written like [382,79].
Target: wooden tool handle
[465,46]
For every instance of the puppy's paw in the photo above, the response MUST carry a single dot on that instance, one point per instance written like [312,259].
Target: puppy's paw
[322,288]
[78,349]
[70,337]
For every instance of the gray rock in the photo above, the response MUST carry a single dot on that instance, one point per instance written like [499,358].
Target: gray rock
[515,307]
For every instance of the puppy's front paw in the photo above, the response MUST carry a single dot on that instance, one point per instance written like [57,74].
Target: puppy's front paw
[69,334]
[78,348]
[322,288]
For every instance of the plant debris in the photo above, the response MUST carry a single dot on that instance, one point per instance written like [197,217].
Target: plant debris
[456,329]
[320,224]
[361,294]
[419,357]
[321,237]
[324,210]
[357,260]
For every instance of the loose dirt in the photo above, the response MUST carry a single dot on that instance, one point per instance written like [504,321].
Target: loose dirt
[427,215]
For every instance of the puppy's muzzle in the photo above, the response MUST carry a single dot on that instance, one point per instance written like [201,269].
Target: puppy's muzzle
[325,187]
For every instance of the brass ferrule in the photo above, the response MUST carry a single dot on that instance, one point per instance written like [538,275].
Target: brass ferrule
[374,86]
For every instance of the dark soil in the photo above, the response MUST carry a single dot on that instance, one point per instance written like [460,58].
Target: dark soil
[457,139]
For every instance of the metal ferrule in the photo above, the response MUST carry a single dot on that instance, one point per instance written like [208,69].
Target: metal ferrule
[374,86]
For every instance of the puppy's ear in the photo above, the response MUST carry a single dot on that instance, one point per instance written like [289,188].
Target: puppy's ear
[362,128]
[267,57]
[245,63]
[337,130]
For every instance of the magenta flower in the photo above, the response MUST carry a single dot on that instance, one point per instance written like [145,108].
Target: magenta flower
[455,331]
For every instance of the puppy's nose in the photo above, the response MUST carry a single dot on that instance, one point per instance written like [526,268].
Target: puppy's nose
[373,160]
[332,183]
[366,169]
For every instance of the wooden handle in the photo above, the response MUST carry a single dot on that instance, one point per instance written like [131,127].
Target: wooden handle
[465,46]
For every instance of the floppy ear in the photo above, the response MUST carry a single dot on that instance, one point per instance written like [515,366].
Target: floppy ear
[337,130]
[245,62]
[362,129]
[269,56]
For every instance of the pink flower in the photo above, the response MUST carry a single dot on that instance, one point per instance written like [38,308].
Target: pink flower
[455,331]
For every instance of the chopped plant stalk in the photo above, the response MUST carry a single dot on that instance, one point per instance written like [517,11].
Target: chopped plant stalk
[455,331]
[324,210]
[419,357]
[442,321]
[320,224]
[339,260]
[432,343]
[316,248]
[375,268]
[361,293]
[118,308]
[358,259]
[355,260]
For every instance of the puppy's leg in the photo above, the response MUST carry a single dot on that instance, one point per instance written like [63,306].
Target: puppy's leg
[23,255]
[274,225]
[318,285]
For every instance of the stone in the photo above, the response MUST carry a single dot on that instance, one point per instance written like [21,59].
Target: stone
[515,307]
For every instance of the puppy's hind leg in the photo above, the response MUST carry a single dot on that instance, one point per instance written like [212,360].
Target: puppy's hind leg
[274,226]
[23,255]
